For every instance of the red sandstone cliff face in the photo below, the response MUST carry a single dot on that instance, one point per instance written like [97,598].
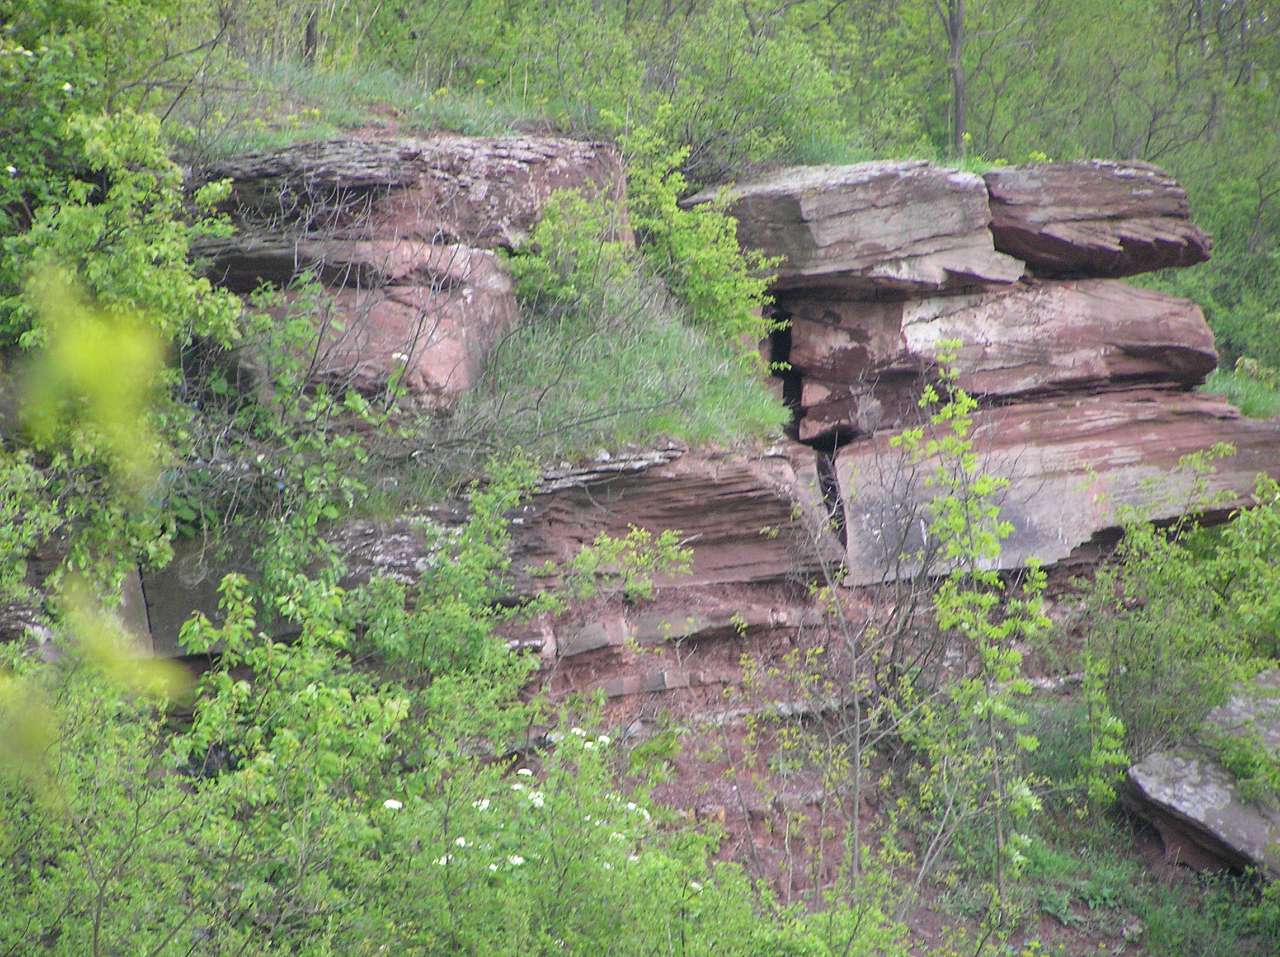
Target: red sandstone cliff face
[1084,384]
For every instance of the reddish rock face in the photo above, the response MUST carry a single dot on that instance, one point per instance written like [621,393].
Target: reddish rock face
[398,231]
[861,362]
[432,326]
[874,228]
[483,192]
[749,517]
[1072,464]
[1094,218]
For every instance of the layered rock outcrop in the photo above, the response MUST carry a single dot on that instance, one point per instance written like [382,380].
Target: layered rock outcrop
[401,234]
[1082,381]
[874,228]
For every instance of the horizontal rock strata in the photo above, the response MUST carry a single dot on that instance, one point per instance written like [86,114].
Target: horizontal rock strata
[1093,218]
[874,228]
[400,233]
[446,189]
[1073,463]
[862,362]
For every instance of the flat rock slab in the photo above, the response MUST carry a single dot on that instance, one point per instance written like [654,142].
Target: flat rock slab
[1195,802]
[886,228]
[1071,462]
[483,192]
[861,362]
[1093,218]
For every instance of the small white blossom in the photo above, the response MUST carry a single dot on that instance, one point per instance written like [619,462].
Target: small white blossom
[493,867]
[578,731]
[11,170]
[517,786]
[442,861]
[391,804]
[695,886]
[603,740]
[633,858]
[589,745]
[67,88]
[461,842]
[525,773]
[515,860]
[607,866]
[632,806]
[481,805]
[536,799]
[615,836]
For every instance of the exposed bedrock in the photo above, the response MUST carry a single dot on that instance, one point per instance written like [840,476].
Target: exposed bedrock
[884,228]
[400,234]
[1202,813]
[861,362]
[1093,218]
[750,518]
[446,189]
[1073,463]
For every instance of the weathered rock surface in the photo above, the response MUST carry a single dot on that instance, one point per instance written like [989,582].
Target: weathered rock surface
[1094,218]
[861,361]
[433,335]
[749,518]
[1196,804]
[1071,461]
[482,192]
[888,228]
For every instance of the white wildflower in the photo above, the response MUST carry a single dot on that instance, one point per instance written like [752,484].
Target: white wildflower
[461,842]
[632,806]
[604,740]
[633,858]
[578,731]
[695,886]
[515,860]
[442,861]
[11,170]
[481,805]
[67,88]
[589,745]
[607,866]
[391,804]
[525,773]
[517,786]
[536,799]
[615,836]
[493,867]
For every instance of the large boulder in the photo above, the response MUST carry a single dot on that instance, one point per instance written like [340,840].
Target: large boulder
[1094,218]
[885,228]
[1204,819]
[1073,464]
[861,361]
[483,192]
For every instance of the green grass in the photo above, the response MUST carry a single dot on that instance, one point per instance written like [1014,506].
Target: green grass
[568,383]
[266,107]
[1255,399]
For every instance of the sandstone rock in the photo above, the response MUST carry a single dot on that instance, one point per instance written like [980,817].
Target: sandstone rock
[861,361]
[749,517]
[1196,804]
[1072,462]
[445,189]
[433,336]
[1094,218]
[898,228]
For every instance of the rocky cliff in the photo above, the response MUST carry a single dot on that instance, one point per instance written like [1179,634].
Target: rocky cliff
[1085,387]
